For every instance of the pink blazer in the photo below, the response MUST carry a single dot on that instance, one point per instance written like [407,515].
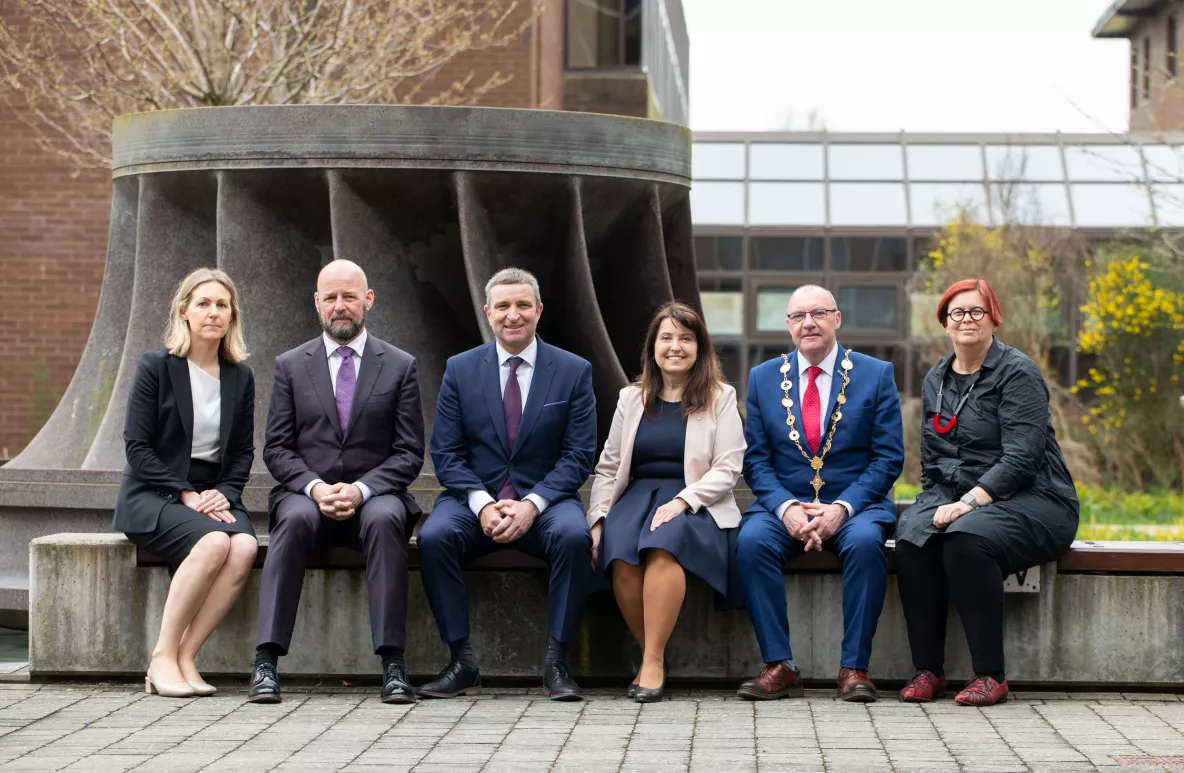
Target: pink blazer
[713,461]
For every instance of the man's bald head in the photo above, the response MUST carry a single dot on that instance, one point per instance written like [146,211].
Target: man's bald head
[812,296]
[342,298]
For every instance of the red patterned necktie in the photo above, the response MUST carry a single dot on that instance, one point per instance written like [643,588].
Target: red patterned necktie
[811,409]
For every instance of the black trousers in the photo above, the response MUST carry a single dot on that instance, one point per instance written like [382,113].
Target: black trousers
[963,566]
[379,528]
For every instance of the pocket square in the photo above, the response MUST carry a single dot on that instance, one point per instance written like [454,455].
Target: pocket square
[559,402]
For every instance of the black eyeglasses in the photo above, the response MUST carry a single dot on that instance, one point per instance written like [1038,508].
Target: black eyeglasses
[798,317]
[977,313]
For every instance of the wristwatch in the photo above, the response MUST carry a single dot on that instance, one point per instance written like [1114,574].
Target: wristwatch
[968,499]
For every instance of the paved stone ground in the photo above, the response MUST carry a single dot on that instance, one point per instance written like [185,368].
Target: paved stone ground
[115,727]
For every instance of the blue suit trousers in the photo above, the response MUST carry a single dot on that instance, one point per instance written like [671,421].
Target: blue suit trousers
[452,535]
[764,547]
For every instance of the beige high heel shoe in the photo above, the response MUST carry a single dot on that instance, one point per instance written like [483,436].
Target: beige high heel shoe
[167,689]
[200,688]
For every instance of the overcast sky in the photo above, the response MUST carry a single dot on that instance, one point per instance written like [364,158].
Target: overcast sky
[920,65]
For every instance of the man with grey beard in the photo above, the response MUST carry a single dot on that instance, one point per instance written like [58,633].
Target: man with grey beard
[345,439]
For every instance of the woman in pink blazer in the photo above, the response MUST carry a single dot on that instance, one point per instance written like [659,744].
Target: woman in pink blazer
[662,499]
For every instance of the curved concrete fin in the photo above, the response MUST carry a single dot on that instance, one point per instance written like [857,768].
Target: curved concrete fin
[402,229]
[68,435]
[680,245]
[632,246]
[476,236]
[273,238]
[174,235]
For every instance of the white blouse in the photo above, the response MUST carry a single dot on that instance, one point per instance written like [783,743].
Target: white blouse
[207,414]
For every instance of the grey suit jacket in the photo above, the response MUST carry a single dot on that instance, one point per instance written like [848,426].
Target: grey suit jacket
[383,446]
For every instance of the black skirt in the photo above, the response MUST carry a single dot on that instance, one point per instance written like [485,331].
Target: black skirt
[694,539]
[179,527]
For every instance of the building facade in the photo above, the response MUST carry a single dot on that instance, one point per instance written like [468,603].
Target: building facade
[854,212]
[1156,94]
[626,57]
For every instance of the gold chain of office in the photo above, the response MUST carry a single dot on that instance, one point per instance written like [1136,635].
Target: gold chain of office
[815,461]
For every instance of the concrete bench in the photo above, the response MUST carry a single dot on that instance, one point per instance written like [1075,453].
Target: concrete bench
[1109,614]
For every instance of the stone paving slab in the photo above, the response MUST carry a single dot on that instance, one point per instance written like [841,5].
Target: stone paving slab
[115,727]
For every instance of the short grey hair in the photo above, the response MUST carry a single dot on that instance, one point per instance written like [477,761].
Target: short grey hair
[514,276]
[804,288]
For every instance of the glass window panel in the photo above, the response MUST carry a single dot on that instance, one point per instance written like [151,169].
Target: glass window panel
[923,316]
[729,360]
[1115,205]
[945,162]
[780,253]
[717,161]
[938,203]
[876,253]
[717,203]
[723,308]
[1103,162]
[1164,162]
[785,162]
[867,204]
[1029,204]
[868,308]
[1169,205]
[865,162]
[772,304]
[719,253]
[1024,162]
[786,204]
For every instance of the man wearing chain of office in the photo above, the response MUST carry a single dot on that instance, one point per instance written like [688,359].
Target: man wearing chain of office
[824,450]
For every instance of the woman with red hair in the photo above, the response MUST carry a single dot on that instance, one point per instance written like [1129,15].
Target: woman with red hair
[996,496]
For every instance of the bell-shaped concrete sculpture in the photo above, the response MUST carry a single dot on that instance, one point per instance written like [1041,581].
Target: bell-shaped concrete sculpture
[430,201]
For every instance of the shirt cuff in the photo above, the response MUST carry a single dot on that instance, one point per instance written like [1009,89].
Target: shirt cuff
[308,488]
[850,509]
[478,499]
[540,502]
[781,508]
[366,492]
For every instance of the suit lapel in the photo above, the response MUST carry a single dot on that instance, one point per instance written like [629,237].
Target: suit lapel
[540,385]
[368,372]
[228,381]
[182,392]
[836,381]
[317,364]
[492,387]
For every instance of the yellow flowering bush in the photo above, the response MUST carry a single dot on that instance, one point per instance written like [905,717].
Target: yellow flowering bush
[1133,326]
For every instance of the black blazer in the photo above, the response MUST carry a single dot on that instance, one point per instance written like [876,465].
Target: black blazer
[158,438]
[384,444]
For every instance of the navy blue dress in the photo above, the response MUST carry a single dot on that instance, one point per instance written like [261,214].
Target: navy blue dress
[656,477]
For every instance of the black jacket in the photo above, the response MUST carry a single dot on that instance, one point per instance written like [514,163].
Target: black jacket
[158,438]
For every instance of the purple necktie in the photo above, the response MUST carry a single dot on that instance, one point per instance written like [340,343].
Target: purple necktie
[512,411]
[347,380]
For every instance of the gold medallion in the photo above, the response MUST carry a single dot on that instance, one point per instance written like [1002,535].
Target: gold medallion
[786,402]
[841,399]
[786,385]
[836,415]
[816,463]
[847,364]
[789,420]
[793,435]
[785,367]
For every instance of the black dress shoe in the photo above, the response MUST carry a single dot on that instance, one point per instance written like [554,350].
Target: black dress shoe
[560,686]
[265,684]
[394,685]
[631,691]
[456,679]
[650,695]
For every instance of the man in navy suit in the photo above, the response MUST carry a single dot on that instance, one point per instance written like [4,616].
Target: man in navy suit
[825,447]
[514,439]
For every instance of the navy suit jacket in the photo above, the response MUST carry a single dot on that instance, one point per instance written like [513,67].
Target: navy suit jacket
[556,445]
[383,445]
[865,459]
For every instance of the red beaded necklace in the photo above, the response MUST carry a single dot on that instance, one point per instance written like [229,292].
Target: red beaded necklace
[947,427]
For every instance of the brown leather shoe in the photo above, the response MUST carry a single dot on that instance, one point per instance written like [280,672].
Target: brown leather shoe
[855,686]
[777,680]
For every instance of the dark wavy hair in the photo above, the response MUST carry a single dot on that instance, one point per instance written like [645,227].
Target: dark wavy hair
[706,374]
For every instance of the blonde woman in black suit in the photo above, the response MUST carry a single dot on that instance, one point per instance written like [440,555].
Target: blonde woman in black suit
[188,442]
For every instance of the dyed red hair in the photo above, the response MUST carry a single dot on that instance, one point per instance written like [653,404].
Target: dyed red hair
[994,312]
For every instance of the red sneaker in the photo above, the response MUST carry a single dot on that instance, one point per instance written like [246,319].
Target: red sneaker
[983,691]
[923,688]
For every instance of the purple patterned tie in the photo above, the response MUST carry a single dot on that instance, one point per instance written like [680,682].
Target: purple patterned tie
[347,381]
[512,411]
